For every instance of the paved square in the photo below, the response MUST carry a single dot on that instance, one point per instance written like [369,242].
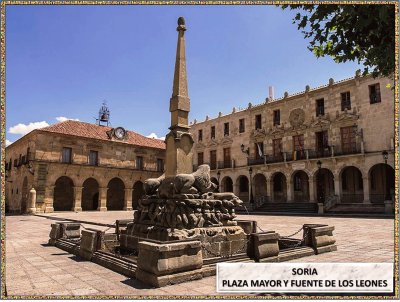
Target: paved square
[33,268]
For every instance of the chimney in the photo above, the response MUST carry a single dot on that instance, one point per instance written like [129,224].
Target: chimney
[271,93]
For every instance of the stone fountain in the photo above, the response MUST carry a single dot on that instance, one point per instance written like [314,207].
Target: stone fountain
[183,227]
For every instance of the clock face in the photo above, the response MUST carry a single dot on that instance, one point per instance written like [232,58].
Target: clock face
[119,132]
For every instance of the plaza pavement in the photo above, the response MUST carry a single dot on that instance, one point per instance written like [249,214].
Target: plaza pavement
[34,268]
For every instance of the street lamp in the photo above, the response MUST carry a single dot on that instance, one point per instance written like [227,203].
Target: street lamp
[251,185]
[319,164]
[385,158]
[218,176]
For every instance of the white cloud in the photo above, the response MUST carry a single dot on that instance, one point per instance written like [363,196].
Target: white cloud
[24,129]
[63,119]
[8,142]
[153,135]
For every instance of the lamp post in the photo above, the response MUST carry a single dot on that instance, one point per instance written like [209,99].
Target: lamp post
[251,185]
[319,164]
[385,158]
[218,176]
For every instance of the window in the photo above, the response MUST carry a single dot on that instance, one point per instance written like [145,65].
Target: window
[93,158]
[374,93]
[277,147]
[298,142]
[160,165]
[20,160]
[226,129]
[346,102]
[213,159]
[23,160]
[348,137]
[200,135]
[259,150]
[15,162]
[297,182]
[277,117]
[320,107]
[227,157]
[66,155]
[258,121]
[321,141]
[298,147]
[10,164]
[139,162]
[212,132]
[241,125]
[200,158]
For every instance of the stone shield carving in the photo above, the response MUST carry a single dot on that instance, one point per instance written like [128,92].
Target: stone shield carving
[296,117]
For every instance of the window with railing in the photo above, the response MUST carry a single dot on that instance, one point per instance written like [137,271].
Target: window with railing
[258,121]
[227,157]
[374,93]
[213,159]
[66,155]
[277,148]
[348,138]
[241,125]
[212,132]
[200,136]
[298,147]
[226,129]
[346,101]
[320,107]
[93,158]
[321,143]
[277,117]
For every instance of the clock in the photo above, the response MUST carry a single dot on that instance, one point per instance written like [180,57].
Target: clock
[119,133]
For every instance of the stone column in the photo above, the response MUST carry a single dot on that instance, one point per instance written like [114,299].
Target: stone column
[311,188]
[32,201]
[271,189]
[337,186]
[128,199]
[102,199]
[289,189]
[366,190]
[49,199]
[77,199]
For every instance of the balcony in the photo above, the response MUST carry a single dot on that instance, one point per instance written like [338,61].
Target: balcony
[226,164]
[305,154]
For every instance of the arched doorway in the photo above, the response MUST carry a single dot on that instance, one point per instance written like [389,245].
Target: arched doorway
[226,184]
[381,181]
[300,187]
[279,187]
[137,193]
[24,195]
[242,184]
[260,188]
[115,195]
[90,195]
[324,182]
[352,185]
[63,194]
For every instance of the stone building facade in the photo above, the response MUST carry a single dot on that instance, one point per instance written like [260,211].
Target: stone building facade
[77,166]
[345,126]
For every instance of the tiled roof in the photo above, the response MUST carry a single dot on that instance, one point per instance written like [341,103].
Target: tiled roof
[88,130]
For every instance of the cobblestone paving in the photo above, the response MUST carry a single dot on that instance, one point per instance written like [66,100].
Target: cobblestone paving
[33,268]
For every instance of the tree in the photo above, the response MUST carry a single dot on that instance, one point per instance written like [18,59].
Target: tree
[352,32]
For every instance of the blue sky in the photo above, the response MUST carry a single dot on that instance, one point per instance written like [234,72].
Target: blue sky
[63,61]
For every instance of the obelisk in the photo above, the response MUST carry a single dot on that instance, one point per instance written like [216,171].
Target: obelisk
[179,141]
